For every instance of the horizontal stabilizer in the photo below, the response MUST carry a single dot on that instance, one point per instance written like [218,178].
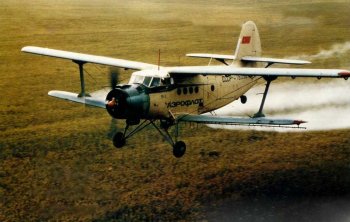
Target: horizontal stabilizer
[211,56]
[272,60]
[74,97]
[227,120]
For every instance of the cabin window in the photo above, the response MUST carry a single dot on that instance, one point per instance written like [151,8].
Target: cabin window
[178,91]
[147,80]
[185,90]
[212,87]
[196,89]
[190,90]
[155,82]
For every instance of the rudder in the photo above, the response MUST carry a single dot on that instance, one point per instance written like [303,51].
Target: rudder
[248,42]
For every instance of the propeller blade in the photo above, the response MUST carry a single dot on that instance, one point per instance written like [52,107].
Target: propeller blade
[114,80]
[113,128]
[114,77]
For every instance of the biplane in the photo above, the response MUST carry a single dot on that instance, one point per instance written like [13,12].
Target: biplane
[166,96]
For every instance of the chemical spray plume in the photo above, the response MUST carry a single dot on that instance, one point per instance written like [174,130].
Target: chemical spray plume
[338,49]
[324,105]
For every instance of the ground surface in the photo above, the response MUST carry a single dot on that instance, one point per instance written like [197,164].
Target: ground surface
[58,164]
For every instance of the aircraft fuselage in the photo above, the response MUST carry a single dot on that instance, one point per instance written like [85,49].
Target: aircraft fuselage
[200,94]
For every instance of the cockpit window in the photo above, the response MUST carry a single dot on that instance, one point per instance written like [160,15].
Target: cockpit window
[147,80]
[155,82]
[167,81]
[150,81]
[138,79]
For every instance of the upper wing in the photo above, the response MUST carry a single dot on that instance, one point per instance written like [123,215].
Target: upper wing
[79,57]
[227,120]
[264,72]
[249,58]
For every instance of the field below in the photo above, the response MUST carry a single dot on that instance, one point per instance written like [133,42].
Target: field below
[57,162]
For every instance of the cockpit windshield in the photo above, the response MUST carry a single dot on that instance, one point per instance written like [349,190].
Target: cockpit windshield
[147,80]
[138,79]
[150,81]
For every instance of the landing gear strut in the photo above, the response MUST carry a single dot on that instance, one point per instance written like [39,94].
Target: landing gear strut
[119,139]
[179,147]
[268,82]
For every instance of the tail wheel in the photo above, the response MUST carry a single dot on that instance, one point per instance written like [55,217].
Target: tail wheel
[119,140]
[179,149]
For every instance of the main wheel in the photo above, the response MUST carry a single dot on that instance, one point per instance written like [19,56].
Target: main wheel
[118,140]
[179,149]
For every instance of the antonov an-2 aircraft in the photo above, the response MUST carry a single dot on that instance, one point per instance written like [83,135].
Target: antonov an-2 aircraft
[181,94]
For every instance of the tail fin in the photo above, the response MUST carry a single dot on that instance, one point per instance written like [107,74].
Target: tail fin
[248,42]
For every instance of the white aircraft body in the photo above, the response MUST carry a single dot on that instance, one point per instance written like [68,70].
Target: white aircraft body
[170,95]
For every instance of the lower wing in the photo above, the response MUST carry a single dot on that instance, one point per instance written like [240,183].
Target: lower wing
[227,120]
[95,99]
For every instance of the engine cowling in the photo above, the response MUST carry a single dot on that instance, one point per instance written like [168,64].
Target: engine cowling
[128,102]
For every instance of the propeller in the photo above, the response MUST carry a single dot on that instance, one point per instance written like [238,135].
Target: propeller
[114,76]
[113,128]
[114,79]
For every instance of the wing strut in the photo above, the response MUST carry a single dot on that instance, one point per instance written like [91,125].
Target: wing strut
[82,81]
[268,82]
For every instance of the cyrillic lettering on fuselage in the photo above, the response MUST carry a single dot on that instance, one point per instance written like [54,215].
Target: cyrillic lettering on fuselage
[184,103]
[230,77]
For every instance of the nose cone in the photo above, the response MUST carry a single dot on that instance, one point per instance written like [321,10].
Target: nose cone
[112,103]
[116,103]
[127,103]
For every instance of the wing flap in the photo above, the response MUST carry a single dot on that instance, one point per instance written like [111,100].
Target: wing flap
[264,72]
[92,101]
[102,60]
[227,120]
